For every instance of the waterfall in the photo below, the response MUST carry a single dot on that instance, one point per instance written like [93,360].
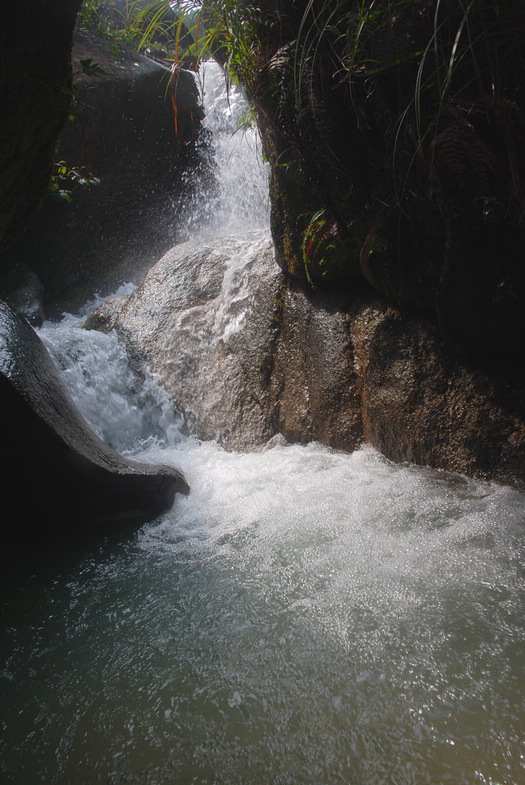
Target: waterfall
[303,616]
[235,200]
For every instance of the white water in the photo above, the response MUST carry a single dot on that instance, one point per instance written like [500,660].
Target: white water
[304,616]
[240,201]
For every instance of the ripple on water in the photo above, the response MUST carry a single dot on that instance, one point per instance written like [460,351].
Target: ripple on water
[303,616]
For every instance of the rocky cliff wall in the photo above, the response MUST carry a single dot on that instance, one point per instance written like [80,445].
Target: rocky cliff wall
[396,138]
[122,133]
[35,99]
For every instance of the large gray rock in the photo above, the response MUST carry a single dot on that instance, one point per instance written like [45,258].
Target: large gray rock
[56,473]
[203,320]
[245,356]
[241,356]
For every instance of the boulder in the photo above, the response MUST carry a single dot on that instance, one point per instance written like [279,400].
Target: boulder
[57,475]
[245,355]
[203,321]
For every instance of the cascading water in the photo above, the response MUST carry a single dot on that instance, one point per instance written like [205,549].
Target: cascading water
[236,200]
[304,616]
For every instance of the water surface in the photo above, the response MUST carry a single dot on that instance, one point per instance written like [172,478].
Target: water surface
[304,616]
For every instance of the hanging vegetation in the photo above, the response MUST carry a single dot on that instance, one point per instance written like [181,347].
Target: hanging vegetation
[396,134]
[395,130]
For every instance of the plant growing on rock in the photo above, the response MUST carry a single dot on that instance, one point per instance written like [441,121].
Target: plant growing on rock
[395,130]
[399,122]
[66,179]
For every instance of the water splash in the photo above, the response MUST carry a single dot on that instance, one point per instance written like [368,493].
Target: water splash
[304,616]
[123,404]
[234,199]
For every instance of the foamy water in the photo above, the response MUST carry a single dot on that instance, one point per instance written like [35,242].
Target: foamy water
[237,200]
[304,616]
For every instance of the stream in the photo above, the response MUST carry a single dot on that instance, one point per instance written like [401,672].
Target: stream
[304,616]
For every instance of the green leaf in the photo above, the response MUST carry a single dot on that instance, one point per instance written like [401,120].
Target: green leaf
[90,68]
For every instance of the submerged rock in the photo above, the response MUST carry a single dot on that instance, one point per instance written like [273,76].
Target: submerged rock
[57,474]
[245,356]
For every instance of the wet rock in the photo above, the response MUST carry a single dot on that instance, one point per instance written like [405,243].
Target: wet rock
[246,356]
[423,405]
[57,474]
[241,356]
[314,387]
[202,320]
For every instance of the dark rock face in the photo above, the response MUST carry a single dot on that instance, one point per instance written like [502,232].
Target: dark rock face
[314,388]
[123,133]
[246,357]
[57,474]
[35,98]
[418,192]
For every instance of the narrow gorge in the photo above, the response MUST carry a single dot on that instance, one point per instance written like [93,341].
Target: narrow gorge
[328,584]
